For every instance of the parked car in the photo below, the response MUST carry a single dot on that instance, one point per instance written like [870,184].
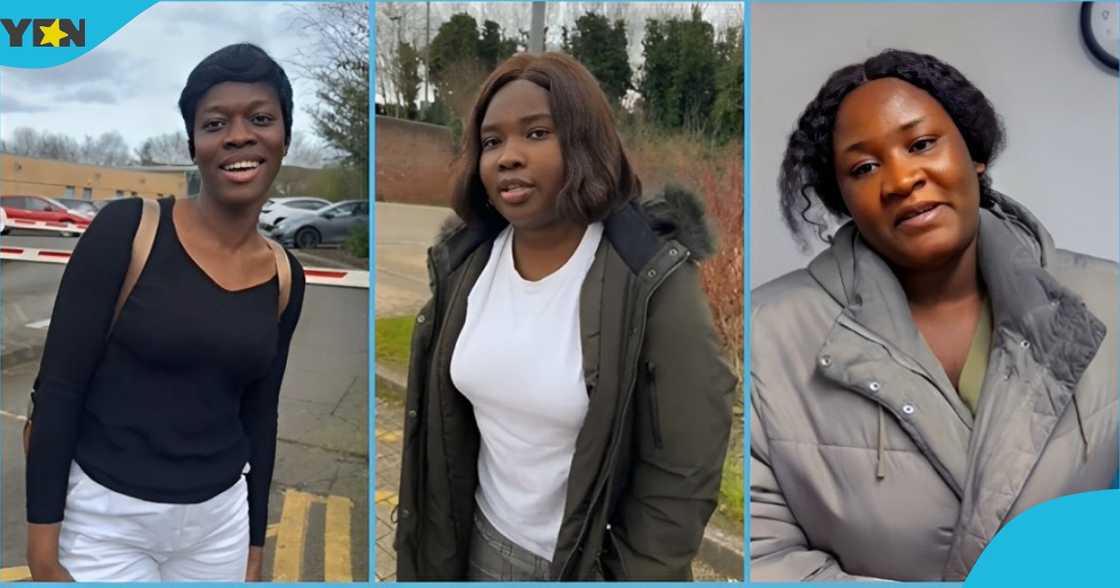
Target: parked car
[278,209]
[3,221]
[332,224]
[42,208]
[89,208]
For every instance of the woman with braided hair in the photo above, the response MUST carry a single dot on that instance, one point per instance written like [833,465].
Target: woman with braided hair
[941,367]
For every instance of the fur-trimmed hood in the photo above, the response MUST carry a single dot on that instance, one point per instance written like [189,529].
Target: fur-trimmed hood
[673,213]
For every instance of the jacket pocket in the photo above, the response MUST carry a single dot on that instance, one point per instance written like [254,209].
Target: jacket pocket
[654,412]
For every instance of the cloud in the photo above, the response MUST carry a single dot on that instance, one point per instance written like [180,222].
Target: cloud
[100,65]
[12,105]
[89,95]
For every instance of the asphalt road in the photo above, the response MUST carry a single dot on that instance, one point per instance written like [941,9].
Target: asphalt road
[319,511]
[404,233]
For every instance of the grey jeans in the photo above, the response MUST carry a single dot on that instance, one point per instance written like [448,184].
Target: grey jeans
[494,558]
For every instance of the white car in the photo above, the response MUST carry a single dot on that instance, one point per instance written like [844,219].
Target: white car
[3,222]
[278,209]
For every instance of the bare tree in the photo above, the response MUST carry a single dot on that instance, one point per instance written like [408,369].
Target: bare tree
[109,149]
[305,152]
[165,149]
[336,59]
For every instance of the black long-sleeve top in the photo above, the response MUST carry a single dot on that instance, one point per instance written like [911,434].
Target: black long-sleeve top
[181,395]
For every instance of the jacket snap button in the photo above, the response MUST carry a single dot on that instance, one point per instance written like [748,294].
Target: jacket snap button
[908,408]
[421,318]
[1024,344]
[608,526]
[412,414]
[673,252]
[405,513]
[826,360]
[651,273]
[874,386]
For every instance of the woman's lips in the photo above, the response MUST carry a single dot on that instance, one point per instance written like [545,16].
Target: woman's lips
[515,195]
[242,176]
[924,220]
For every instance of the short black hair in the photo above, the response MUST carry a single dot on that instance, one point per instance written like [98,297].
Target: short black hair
[808,161]
[242,62]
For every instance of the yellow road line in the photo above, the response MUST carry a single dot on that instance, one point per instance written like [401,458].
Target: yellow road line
[385,496]
[15,574]
[389,436]
[336,541]
[288,560]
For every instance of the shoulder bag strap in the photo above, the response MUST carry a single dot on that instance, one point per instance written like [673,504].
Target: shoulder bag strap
[141,248]
[283,275]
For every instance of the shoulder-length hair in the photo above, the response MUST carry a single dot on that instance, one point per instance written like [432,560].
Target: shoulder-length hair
[598,177]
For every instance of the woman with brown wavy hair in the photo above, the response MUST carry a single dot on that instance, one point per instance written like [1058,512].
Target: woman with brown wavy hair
[568,409]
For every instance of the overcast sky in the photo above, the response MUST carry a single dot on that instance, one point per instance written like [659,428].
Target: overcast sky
[131,82]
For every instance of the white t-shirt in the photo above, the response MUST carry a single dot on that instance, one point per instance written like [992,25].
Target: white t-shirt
[519,361]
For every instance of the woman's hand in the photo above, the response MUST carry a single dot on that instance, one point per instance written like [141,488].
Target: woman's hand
[256,560]
[42,554]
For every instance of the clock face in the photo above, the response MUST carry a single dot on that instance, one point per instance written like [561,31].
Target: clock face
[1100,25]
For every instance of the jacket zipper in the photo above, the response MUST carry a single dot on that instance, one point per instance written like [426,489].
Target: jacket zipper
[613,447]
[655,415]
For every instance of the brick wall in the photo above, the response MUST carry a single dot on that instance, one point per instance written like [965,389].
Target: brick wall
[413,162]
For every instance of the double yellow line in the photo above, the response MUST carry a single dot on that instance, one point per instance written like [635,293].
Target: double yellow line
[291,534]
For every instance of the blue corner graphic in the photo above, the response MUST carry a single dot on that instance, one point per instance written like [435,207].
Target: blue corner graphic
[1070,541]
[47,33]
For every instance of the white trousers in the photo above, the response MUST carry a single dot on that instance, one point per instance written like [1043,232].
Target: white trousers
[109,537]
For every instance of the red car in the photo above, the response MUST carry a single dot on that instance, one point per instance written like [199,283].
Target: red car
[41,208]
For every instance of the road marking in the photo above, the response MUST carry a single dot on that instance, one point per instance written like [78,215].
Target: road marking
[336,541]
[385,496]
[15,574]
[39,324]
[288,560]
[389,436]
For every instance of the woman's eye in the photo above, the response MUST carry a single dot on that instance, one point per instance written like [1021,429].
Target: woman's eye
[212,125]
[538,133]
[862,169]
[923,144]
[262,119]
[489,142]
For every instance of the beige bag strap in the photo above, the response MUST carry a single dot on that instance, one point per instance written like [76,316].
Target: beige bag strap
[283,275]
[141,248]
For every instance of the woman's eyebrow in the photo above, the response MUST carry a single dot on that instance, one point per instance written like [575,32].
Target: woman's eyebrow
[223,108]
[529,118]
[860,145]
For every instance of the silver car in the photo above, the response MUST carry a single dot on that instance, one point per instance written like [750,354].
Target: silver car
[332,224]
[278,209]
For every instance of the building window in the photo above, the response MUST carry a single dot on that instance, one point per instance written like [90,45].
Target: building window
[87,193]
[135,195]
[120,194]
[69,192]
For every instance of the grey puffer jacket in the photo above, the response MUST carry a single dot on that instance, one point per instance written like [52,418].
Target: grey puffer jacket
[646,471]
[864,460]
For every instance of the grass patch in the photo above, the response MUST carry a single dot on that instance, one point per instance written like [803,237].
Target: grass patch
[731,499]
[394,338]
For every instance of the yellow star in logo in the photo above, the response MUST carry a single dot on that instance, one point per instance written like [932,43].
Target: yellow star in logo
[52,34]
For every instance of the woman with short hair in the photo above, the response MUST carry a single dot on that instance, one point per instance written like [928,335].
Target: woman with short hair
[154,435]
